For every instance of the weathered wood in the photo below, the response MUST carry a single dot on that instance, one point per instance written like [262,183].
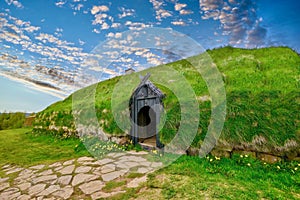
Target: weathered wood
[143,105]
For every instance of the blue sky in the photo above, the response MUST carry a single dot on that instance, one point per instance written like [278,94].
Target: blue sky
[46,45]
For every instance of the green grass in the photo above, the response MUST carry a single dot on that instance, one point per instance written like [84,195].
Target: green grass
[262,89]
[134,175]
[240,177]
[211,178]
[22,148]
[111,185]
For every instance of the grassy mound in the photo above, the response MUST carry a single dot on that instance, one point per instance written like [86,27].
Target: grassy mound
[19,147]
[263,101]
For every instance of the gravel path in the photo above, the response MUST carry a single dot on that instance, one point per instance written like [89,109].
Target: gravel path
[81,178]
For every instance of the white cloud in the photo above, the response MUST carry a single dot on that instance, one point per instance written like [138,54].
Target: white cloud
[179,6]
[81,42]
[159,11]
[78,7]
[104,26]
[178,23]
[103,20]
[136,25]
[15,3]
[102,69]
[31,29]
[118,35]
[163,13]
[19,22]
[60,3]
[52,51]
[100,18]
[116,25]
[238,20]
[44,37]
[97,9]
[59,30]
[141,52]
[96,31]
[185,12]
[126,13]
[110,35]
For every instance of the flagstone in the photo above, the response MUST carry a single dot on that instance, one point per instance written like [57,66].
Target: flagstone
[104,161]
[81,178]
[24,186]
[36,189]
[65,192]
[10,194]
[100,195]
[57,164]
[67,170]
[108,168]
[41,182]
[116,155]
[85,158]
[5,166]
[24,197]
[91,187]
[138,152]
[9,168]
[112,175]
[64,180]
[46,172]
[69,162]
[3,179]
[38,167]
[13,170]
[58,168]
[49,190]
[44,178]
[132,164]
[83,169]
[136,182]
[4,186]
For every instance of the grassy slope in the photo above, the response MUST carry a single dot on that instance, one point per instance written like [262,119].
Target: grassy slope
[237,178]
[187,178]
[262,89]
[23,149]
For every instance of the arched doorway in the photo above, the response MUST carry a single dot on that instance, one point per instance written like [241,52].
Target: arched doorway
[144,117]
[146,121]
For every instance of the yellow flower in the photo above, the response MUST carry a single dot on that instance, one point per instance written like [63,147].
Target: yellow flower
[211,160]
[278,167]
[296,169]
[217,158]
[246,156]
[241,156]
[249,164]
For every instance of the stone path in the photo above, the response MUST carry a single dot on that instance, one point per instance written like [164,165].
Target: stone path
[82,178]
